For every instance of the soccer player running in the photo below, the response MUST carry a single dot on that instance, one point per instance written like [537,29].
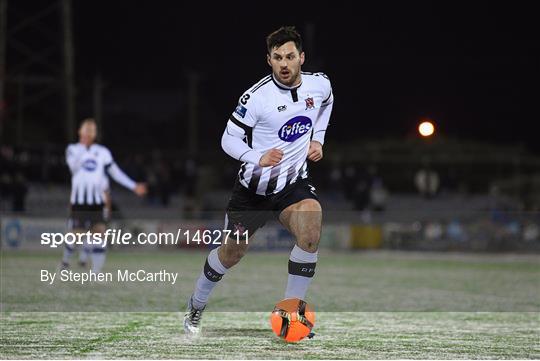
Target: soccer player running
[279,123]
[89,164]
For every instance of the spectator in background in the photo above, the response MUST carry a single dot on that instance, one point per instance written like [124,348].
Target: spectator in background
[334,181]
[135,166]
[163,182]
[366,189]
[531,232]
[455,231]
[433,231]
[190,177]
[350,181]
[378,195]
[377,191]
[7,165]
[5,189]
[7,159]
[190,186]
[427,182]
[19,189]
[356,187]
[335,177]
[13,184]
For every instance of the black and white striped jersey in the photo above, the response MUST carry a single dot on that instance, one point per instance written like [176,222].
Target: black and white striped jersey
[89,167]
[272,115]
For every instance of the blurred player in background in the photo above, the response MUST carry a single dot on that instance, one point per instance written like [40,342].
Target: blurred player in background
[89,164]
[279,123]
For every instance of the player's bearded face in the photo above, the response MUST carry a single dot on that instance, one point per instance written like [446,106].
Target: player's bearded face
[286,62]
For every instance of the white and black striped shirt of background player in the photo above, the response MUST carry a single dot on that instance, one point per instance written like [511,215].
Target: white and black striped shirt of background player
[89,165]
[272,115]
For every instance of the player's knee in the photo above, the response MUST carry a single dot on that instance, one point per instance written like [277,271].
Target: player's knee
[99,228]
[312,217]
[310,205]
[309,242]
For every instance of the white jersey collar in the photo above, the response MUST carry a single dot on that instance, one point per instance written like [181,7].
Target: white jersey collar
[85,147]
[285,87]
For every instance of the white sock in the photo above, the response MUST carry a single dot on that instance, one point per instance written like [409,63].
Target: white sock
[301,270]
[68,251]
[98,259]
[213,272]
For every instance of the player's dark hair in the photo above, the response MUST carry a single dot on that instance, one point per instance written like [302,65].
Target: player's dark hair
[87,120]
[282,36]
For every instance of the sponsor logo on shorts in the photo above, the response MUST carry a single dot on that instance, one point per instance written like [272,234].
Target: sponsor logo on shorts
[295,128]
[239,227]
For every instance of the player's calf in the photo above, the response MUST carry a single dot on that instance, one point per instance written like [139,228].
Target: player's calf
[213,271]
[303,219]
[301,270]
[217,263]
[231,252]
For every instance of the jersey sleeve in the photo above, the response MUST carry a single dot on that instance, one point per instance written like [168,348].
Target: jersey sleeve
[246,110]
[73,158]
[120,177]
[115,172]
[107,156]
[323,118]
[236,139]
[328,94]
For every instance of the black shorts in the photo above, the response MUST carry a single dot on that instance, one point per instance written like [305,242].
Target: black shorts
[248,211]
[84,216]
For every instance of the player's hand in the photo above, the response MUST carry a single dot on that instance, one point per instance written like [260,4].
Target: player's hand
[315,152]
[271,158]
[140,189]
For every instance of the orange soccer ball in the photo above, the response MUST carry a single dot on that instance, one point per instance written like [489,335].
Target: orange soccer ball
[292,319]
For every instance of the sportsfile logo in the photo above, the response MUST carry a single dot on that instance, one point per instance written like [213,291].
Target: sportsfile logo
[295,128]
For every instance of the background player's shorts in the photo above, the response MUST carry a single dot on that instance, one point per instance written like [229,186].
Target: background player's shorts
[84,216]
[248,211]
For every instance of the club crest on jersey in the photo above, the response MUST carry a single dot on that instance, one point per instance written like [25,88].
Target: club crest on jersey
[89,165]
[295,128]
[310,103]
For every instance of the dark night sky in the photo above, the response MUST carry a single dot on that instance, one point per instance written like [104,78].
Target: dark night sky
[473,69]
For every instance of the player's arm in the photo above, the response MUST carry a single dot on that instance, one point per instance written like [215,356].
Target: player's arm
[236,139]
[73,159]
[315,152]
[122,178]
